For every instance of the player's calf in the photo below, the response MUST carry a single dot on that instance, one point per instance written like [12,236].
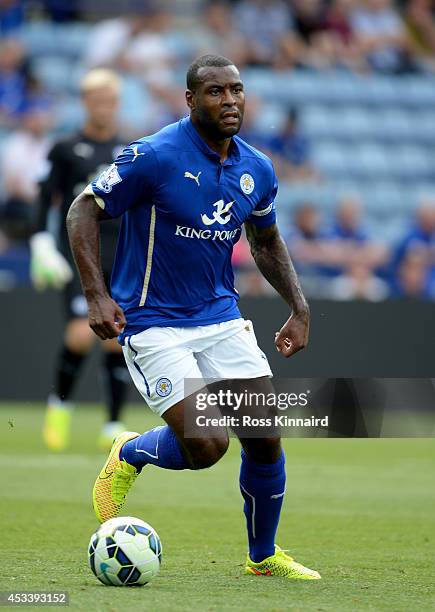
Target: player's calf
[202,453]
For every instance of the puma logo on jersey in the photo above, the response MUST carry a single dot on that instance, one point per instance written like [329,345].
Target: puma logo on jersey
[135,153]
[192,176]
[218,214]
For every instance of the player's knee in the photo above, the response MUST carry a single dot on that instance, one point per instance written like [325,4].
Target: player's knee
[207,452]
[264,450]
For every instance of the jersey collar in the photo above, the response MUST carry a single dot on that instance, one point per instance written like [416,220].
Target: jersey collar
[233,153]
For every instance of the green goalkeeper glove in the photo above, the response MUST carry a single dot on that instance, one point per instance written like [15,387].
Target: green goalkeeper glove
[48,267]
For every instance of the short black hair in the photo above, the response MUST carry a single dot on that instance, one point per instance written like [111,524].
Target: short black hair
[214,61]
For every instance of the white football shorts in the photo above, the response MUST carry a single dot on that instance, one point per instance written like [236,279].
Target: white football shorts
[160,359]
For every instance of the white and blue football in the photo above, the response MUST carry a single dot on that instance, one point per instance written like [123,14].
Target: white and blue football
[125,551]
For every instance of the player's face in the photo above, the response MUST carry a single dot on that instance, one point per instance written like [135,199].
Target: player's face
[101,106]
[219,102]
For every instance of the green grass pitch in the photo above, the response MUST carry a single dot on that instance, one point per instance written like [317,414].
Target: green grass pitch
[359,511]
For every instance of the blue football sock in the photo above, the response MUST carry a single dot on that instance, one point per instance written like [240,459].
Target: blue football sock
[262,486]
[158,446]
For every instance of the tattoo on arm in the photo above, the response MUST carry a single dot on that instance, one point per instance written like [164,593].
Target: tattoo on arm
[273,260]
[83,227]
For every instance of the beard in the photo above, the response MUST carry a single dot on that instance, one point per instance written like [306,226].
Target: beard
[213,128]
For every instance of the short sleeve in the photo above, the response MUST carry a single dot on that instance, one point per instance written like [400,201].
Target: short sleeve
[128,182]
[264,213]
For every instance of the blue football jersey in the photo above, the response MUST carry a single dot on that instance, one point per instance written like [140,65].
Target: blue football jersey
[182,212]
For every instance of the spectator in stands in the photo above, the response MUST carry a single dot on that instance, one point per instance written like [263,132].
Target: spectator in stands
[326,34]
[348,220]
[421,237]
[358,282]
[217,32]
[420,23]
[337,25]
[61,10]
[308,247]
[318,46]
[337,19]
[353,245]
[139,44]
[267,28]
[345,251]
[23,164]
[308,18]
[290,151]
[13,81]
[305,236]
[413,278]
[382,36]
[11,16]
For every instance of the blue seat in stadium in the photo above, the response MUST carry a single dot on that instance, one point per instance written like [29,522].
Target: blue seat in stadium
[414,91]
[72,38]
[135,102]
[296,88]
[423,126]
[55,72]
[394,124]
[355,123]
[342,89]
[317,121]
[378,90]
[270,120]
[39,38]
[411,162]
[258,81]
[384,200]
[292,195]
[44,38]
[367,160]
[340,123]
[387,233]
[330,158]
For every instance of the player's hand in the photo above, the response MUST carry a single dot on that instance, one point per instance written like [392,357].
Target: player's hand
[293,335]
[48,267]
[106,317]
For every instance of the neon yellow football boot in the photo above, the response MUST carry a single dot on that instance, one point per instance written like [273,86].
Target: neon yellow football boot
[114,481]
[57,425]
[281,564]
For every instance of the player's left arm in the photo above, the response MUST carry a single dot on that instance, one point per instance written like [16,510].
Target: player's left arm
[273,260]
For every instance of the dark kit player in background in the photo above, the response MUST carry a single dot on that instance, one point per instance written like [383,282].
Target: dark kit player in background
[73,163]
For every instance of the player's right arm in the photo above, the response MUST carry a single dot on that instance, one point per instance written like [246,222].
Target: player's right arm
[106,317]
[129,182]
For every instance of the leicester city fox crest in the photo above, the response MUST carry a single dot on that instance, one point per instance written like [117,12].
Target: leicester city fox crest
[163,387]
[247,183]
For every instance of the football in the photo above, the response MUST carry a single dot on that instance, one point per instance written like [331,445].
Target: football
[125,551]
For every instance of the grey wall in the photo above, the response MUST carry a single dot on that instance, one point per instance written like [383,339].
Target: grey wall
[391,339]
